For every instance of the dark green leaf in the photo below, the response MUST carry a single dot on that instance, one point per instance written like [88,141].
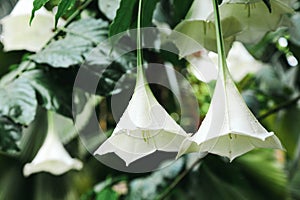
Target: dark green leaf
[92,30]
[81,37]
[148,8]
[52,95]
[148,187]
[18,101]
[63,53]
[37,4]
[172,11]
[123,18]
[107,64]
[10,134]
[294,186]
[5,7]
[63,7]
[107,193]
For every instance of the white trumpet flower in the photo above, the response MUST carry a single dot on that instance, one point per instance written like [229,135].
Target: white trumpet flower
[52,156]
[229,128]
[144,128]
[18,34]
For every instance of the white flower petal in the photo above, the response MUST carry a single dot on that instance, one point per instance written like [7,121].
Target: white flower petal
[52,157]
[144,128]
[202,67]
[229,128]
[18,34]
[240,61]
[255,18]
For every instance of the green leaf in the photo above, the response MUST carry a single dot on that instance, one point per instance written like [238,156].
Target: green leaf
[285,125]
[217,178]
[109,8]
[92,30]
[10,134]
[123,18]
[63,53]
[63,7]
[37,4]
[294,186]
[107,193]
[6,7]
[18,102]
[81,37]
[172,11]
[148,187]
[50,93]
[148,8]
[109,65]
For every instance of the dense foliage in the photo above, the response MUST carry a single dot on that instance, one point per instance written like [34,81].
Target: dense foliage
[35,80]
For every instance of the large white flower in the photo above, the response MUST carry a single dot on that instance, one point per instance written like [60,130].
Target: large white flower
[229,128]
[18,34]
[52,156]
[144,127]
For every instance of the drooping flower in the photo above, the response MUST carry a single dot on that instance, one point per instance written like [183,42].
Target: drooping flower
[254,17]
[52,157]
[229,128]
[16,27]
[145,126]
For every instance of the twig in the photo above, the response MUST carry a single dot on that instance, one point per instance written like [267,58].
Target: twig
[279,107]
[177,180]
[70,19]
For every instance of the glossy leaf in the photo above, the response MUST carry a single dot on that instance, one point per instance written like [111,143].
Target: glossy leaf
[123,18]
[37,4]
[63,7]
[18,102]
[50,93]
[10,134]
[81,36]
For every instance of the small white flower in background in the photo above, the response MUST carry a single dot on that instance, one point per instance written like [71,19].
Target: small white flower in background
[229,128]
[17,34]
[52,156]
[202,67]
[240,61]
[203,64]
[144,128]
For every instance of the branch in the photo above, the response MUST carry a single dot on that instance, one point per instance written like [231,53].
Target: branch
[279,107]
[177,180]
[70,19]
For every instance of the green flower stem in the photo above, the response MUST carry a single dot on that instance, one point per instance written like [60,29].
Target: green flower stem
[50,122]
[220,40]
[140,72]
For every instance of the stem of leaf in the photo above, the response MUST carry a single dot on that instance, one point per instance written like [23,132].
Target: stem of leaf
[70,19]
[279,107]
[177,180]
